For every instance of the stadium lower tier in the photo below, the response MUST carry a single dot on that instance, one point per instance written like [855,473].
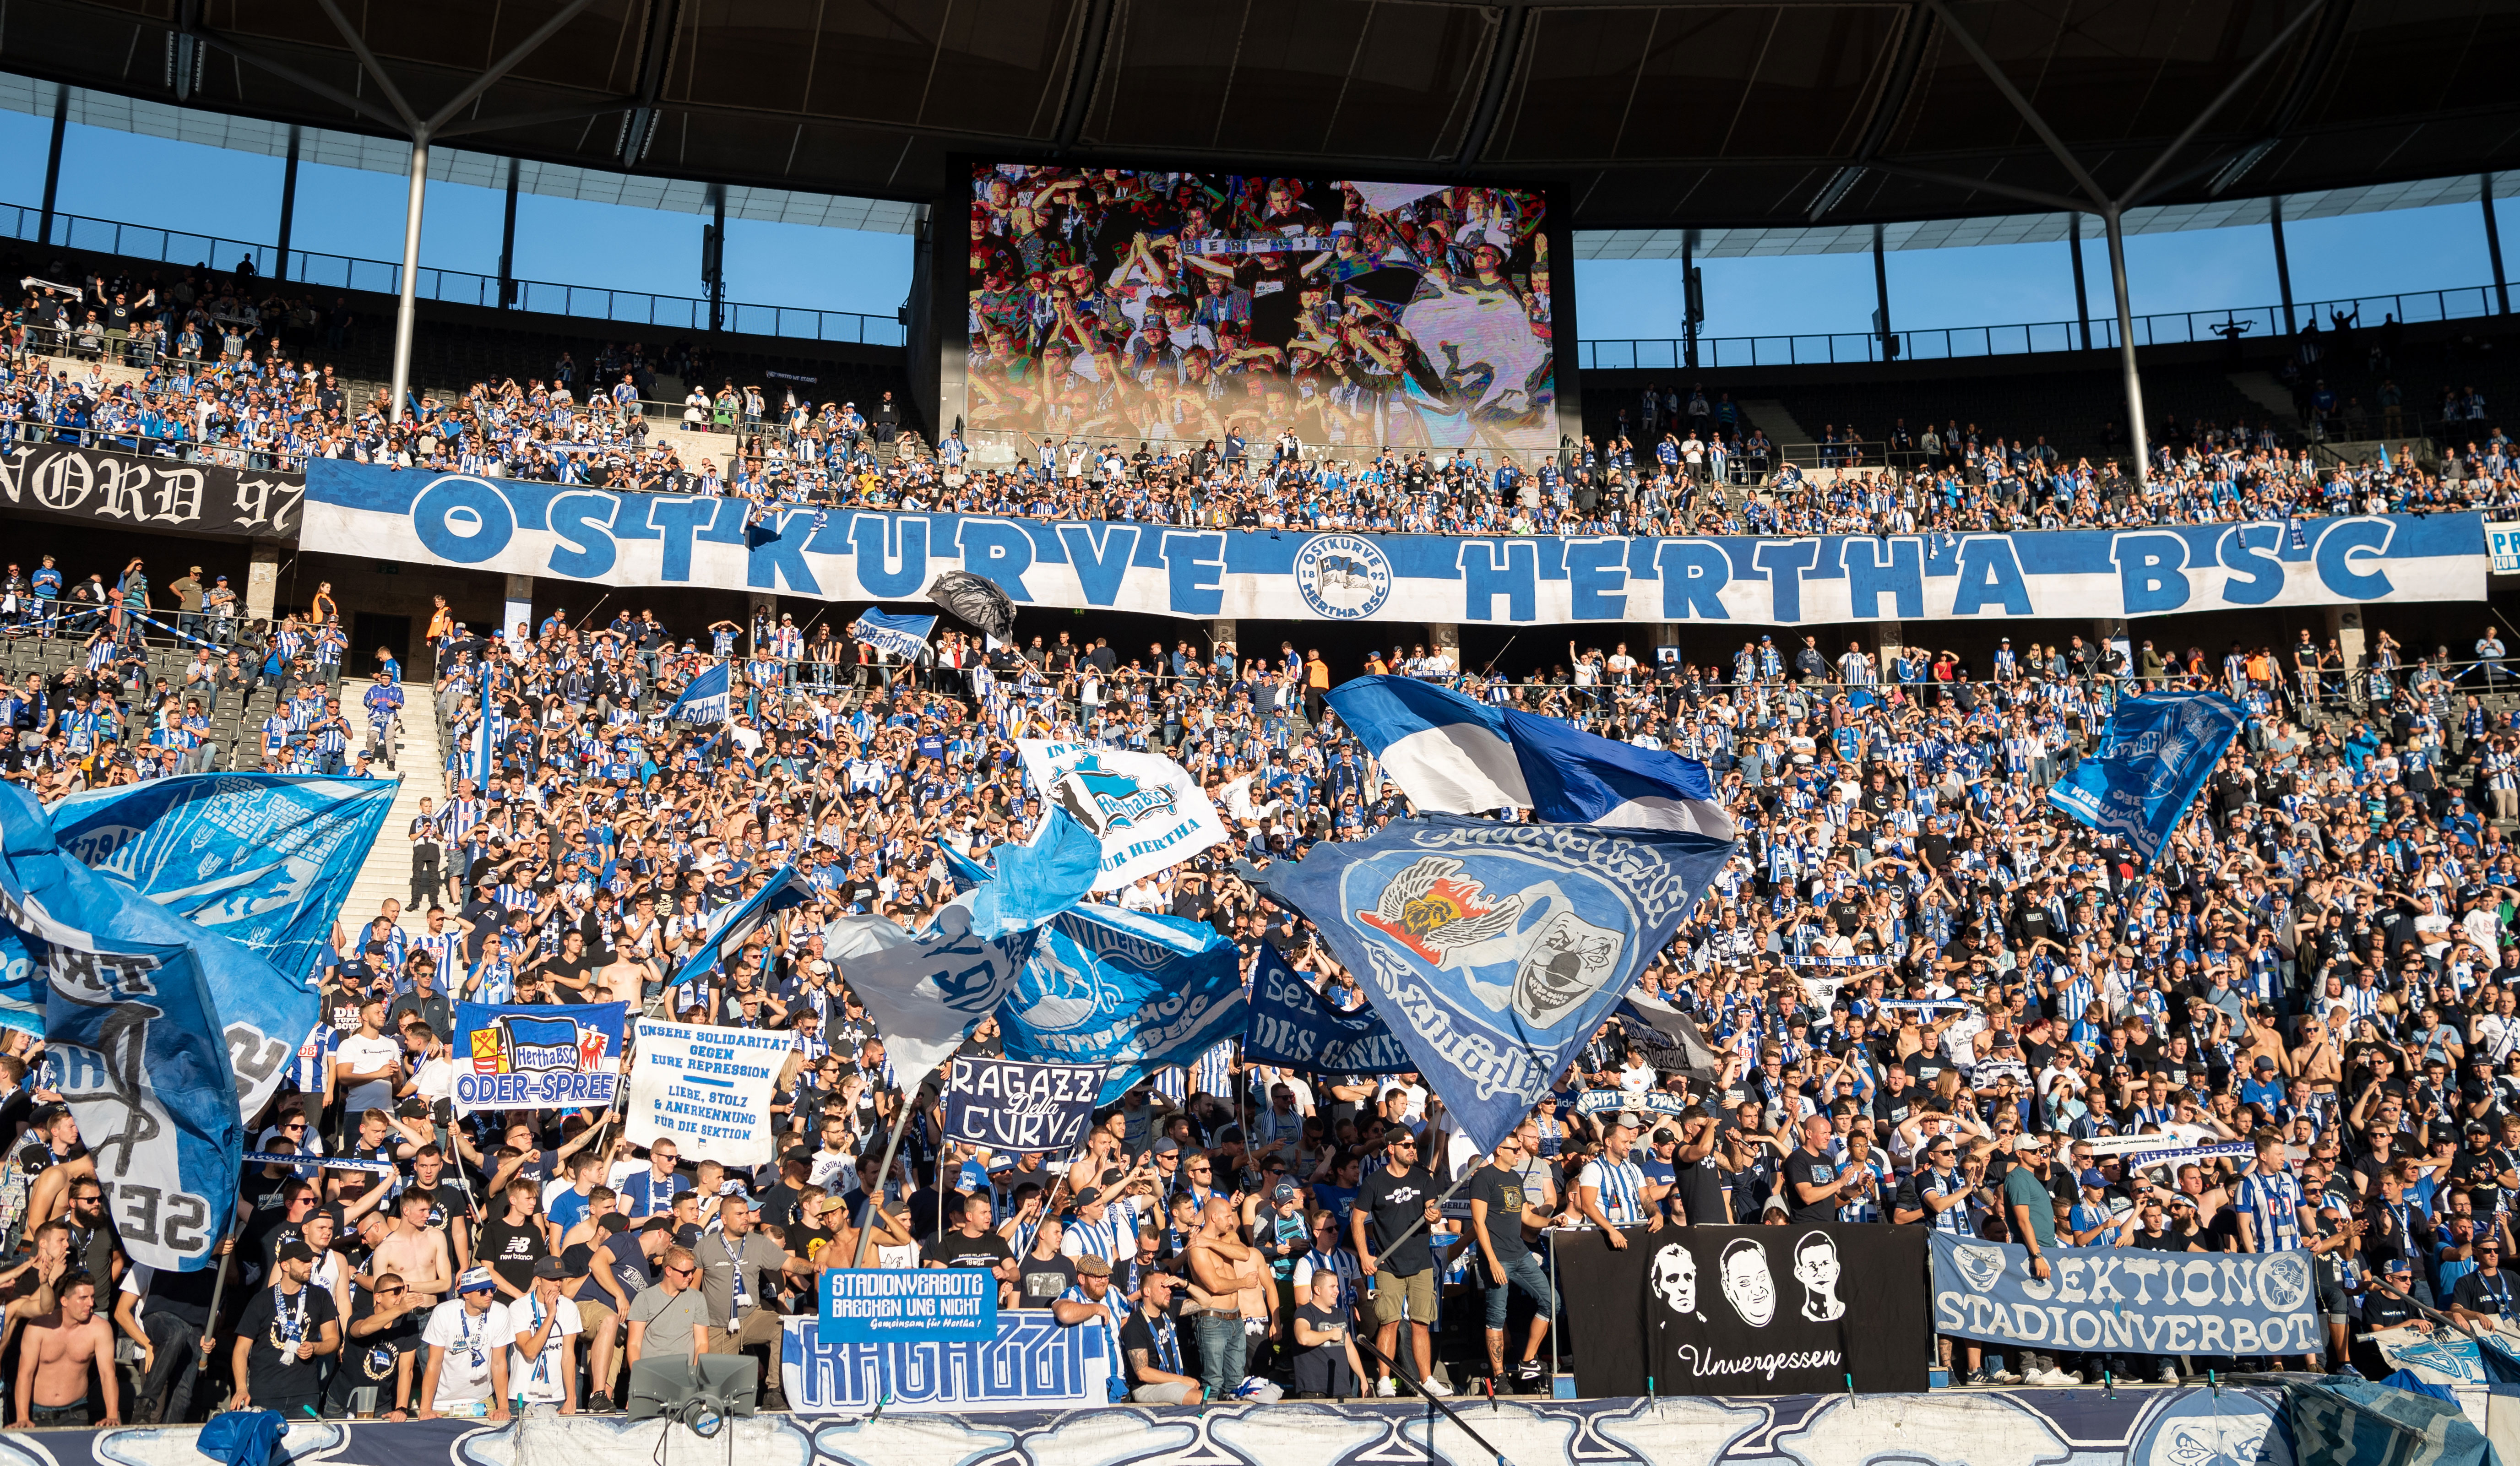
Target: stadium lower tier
[2130,1426]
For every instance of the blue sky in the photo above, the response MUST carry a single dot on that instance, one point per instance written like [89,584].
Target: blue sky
[236,196]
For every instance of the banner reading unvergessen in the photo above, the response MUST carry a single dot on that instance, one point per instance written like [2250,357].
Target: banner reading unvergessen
[2127,1299]
[707,1087]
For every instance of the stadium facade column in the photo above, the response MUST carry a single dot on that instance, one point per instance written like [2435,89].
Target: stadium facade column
[261,580]
[1225,631]
[520,606]
[1445,637]
[407,300]
[1884,638]
[2344,628]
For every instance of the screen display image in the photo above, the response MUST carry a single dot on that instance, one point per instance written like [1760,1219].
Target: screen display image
[1114,304]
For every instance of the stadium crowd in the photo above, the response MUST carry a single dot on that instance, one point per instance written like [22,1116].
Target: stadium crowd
[2323,967]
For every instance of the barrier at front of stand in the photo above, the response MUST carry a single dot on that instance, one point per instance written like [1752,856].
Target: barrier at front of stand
[2134,1426]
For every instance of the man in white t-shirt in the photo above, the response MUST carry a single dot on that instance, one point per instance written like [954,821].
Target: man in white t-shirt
[542,1366]
[468,1367]
[366,1065]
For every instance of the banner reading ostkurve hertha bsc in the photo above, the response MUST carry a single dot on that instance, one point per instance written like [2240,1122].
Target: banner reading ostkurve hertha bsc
[564,1056]
[1748,1311]
[707,1087]
[2127,1300]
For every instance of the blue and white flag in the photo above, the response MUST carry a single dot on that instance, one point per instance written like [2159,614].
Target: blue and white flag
[1148,811]
[538,1056]
[478,758]
[1294,1025]
[923,991]
[1494,951]
[1455,755]
[785,888]
[1130,991]
[904,637]
[1007,1104]
[264,860]
[2155,754]
[132,1038]
[705,699]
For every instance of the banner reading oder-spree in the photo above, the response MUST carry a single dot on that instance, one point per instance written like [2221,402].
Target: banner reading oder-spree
[601,537]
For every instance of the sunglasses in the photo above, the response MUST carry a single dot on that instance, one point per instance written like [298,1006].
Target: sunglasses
[680,1272]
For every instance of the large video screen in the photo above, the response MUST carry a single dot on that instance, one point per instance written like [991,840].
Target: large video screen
[1114,304]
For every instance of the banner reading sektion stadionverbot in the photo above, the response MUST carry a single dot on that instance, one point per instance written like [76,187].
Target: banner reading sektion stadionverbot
[570,532]
[2127,1299]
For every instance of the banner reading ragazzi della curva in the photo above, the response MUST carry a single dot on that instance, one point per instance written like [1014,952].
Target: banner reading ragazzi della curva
[569,532]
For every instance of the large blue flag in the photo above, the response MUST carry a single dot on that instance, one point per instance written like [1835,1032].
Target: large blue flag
[1494,951]
[1295,1026]
[264,860]
[904,637]
[1135,992]
[2154,756]
[705,698]
[132,1038]
[1456,755]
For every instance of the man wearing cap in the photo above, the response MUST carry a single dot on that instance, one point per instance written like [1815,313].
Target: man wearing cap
[1090,1302]
[468,1336]
[1151,1344]
[285,1329]
[542,1366]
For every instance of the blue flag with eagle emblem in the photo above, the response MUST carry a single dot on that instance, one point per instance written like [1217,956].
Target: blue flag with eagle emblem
[2154,756]
[1494,951]
[1146,810]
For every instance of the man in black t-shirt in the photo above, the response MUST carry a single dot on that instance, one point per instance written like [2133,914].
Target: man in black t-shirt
[377,1353]
[287,1328]
[972,1244]
[1812,1179]
[1505,1262]
[1151,1343]
[1043,1273]
[1401,1270]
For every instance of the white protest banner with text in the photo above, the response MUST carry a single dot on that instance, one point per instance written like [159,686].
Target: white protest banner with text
[707,1087]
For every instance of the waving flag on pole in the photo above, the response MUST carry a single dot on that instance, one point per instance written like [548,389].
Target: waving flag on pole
[904,637]
[264,860]
[132,1038]
[2155,754]
[1148,811]
[478,757]
[1455,755]
[1494,950]
[924,990]
[783,890]
[705,698]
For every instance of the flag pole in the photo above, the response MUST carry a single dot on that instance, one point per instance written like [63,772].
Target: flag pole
[875,1195]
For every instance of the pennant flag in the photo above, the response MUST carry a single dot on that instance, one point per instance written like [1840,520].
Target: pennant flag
[705,699]
[1494,949]
[783,890]
[132,1038]
[264,860]
[2155,754]
[1291,1024]
[924,990]
[904,637]
[1133,992]
[1670,1037]
[1148,812]
[480,754]
[1455,755]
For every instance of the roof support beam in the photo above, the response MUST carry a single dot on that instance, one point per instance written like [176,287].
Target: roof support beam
[2231,89]
[1084,72]
[569,113]
[665,20]
[1505,58]
[300,80]
[2004,84]
[1885,111]
[503,65]
[358,44]
[2039,197]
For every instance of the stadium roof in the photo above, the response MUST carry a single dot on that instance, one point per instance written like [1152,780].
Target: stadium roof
[1649,116]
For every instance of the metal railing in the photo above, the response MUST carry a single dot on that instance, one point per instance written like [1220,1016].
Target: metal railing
[2234,325]
[342,271]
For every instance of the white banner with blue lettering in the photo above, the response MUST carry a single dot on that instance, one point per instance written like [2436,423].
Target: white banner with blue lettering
[1148,811]
[265,860]
[1032,1364]
[2155,754]
[2127,1300]
[131,1037]
[1494,951]
[598,536]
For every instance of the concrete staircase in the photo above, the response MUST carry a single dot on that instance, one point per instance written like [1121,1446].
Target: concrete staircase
[2262,388]
[386,873]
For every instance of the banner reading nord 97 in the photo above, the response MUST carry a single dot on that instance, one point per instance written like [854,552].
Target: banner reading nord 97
[602,537]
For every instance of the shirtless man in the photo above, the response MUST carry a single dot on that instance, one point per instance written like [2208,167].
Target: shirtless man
[59,1352]
[33,1287]
[1223,1267]
[415,1250]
